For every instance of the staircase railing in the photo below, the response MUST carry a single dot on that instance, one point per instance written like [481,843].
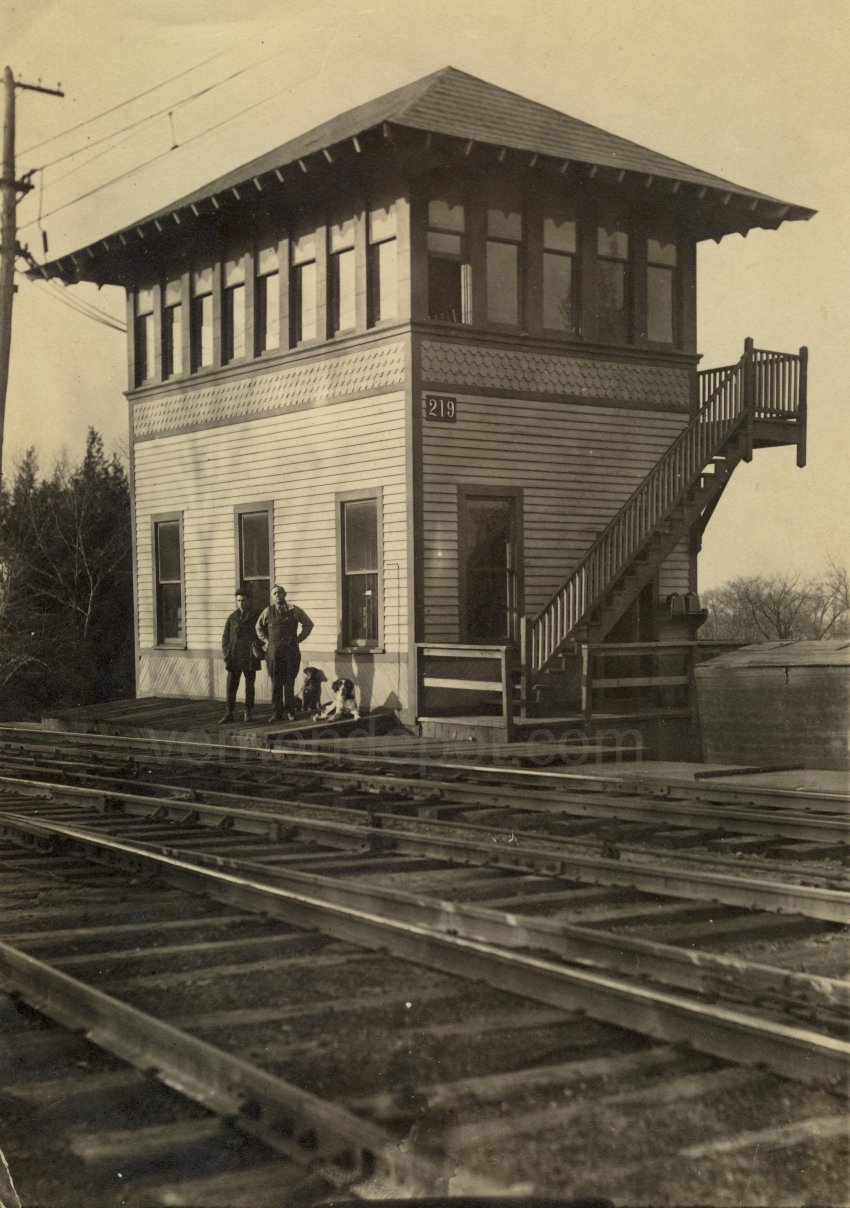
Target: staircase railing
[760,385]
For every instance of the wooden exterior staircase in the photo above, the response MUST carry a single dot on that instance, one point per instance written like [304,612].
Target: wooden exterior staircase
[758,402]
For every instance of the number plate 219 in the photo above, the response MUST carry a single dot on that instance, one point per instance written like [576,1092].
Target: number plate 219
[440,409]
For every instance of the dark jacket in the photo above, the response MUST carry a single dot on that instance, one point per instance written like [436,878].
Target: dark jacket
[238,642]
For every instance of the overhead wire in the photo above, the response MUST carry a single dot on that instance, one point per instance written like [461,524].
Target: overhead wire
[84,309]
[129,101]
[155,158]
[74,301]
[151,117]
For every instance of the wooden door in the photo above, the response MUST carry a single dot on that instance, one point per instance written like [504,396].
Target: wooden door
[490,568]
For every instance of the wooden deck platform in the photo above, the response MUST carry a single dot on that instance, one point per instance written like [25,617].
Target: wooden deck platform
[381,734]
[198,720]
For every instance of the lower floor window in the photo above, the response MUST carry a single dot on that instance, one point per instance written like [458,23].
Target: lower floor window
[254,529]
[360,571]
[168,563]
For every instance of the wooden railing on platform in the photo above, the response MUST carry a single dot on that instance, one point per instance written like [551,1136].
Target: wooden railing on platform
[761,385]
[687,653]
[493,667]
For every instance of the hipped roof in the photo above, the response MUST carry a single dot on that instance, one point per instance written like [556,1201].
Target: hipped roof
[456,105]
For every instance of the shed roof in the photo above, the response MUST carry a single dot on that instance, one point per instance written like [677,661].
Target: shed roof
[828,652]
[454,104]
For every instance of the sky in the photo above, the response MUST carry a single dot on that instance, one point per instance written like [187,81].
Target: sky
[755,92]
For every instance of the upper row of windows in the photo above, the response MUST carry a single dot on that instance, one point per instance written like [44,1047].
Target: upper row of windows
[261,271]
[557,281]
[577,281]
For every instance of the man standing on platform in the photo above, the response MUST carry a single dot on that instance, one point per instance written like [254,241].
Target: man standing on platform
[237,646]
[278,630]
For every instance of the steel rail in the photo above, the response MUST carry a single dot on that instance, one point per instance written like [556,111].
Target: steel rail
[798,995]
[293,1121]
[243,819]
[167,746]
[795,1052]
[819,829]
[627,872]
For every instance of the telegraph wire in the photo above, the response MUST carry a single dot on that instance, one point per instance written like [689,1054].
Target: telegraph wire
[130,100]
[76,304]
[131,126]
[131,172]
[155,158]
[228,50]
[101,318]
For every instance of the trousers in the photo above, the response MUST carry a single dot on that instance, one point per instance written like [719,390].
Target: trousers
[233,678]
[283,662]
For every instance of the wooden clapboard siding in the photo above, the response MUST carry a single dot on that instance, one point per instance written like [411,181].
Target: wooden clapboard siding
[299,461]
[674,574]
[576,464]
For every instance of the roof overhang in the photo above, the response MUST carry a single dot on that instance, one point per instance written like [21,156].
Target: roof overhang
[711,206]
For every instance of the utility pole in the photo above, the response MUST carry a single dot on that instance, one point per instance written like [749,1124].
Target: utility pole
[10,187]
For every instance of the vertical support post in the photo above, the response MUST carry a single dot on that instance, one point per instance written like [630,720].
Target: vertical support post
[749,383]
[587,657]
[524,664]
[8,241]
[418,703]
[506,660]
[803,407]
[695,736]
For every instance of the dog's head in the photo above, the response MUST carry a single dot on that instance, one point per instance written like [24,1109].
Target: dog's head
[343,689]
[314,675]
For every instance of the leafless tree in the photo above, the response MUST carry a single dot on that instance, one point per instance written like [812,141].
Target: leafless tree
[783,607]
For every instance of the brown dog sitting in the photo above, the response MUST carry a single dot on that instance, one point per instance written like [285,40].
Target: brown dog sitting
[344,703]
[311,692]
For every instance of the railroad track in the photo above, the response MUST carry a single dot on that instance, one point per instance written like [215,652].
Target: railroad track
[520,921]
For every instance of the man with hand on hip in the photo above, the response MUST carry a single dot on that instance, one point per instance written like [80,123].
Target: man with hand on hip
[281,628]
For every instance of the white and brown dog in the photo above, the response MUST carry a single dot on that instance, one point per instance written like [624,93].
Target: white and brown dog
[344,703]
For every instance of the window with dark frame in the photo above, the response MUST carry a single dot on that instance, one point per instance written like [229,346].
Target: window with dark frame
[661,265]
[254,533]
[168,562]
[560,265]
[143,335]
[504,264]
[360,572]
[303,284]
[448,262]
[382,268]
[201,319]
[233,309]
[172,328]
[341,282]
[613,285]
[267,298]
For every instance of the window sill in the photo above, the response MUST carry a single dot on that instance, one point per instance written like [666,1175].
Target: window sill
[360,650]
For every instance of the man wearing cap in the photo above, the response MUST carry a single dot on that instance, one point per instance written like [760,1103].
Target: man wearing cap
[278,630]
[237,646]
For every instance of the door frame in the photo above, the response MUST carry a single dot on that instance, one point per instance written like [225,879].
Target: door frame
[487,490]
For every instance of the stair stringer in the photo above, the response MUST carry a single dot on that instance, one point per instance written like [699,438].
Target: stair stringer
[660,544]
[717,436]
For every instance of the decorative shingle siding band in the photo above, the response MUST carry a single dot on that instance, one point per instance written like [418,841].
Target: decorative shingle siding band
[546,374]
[255,393]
